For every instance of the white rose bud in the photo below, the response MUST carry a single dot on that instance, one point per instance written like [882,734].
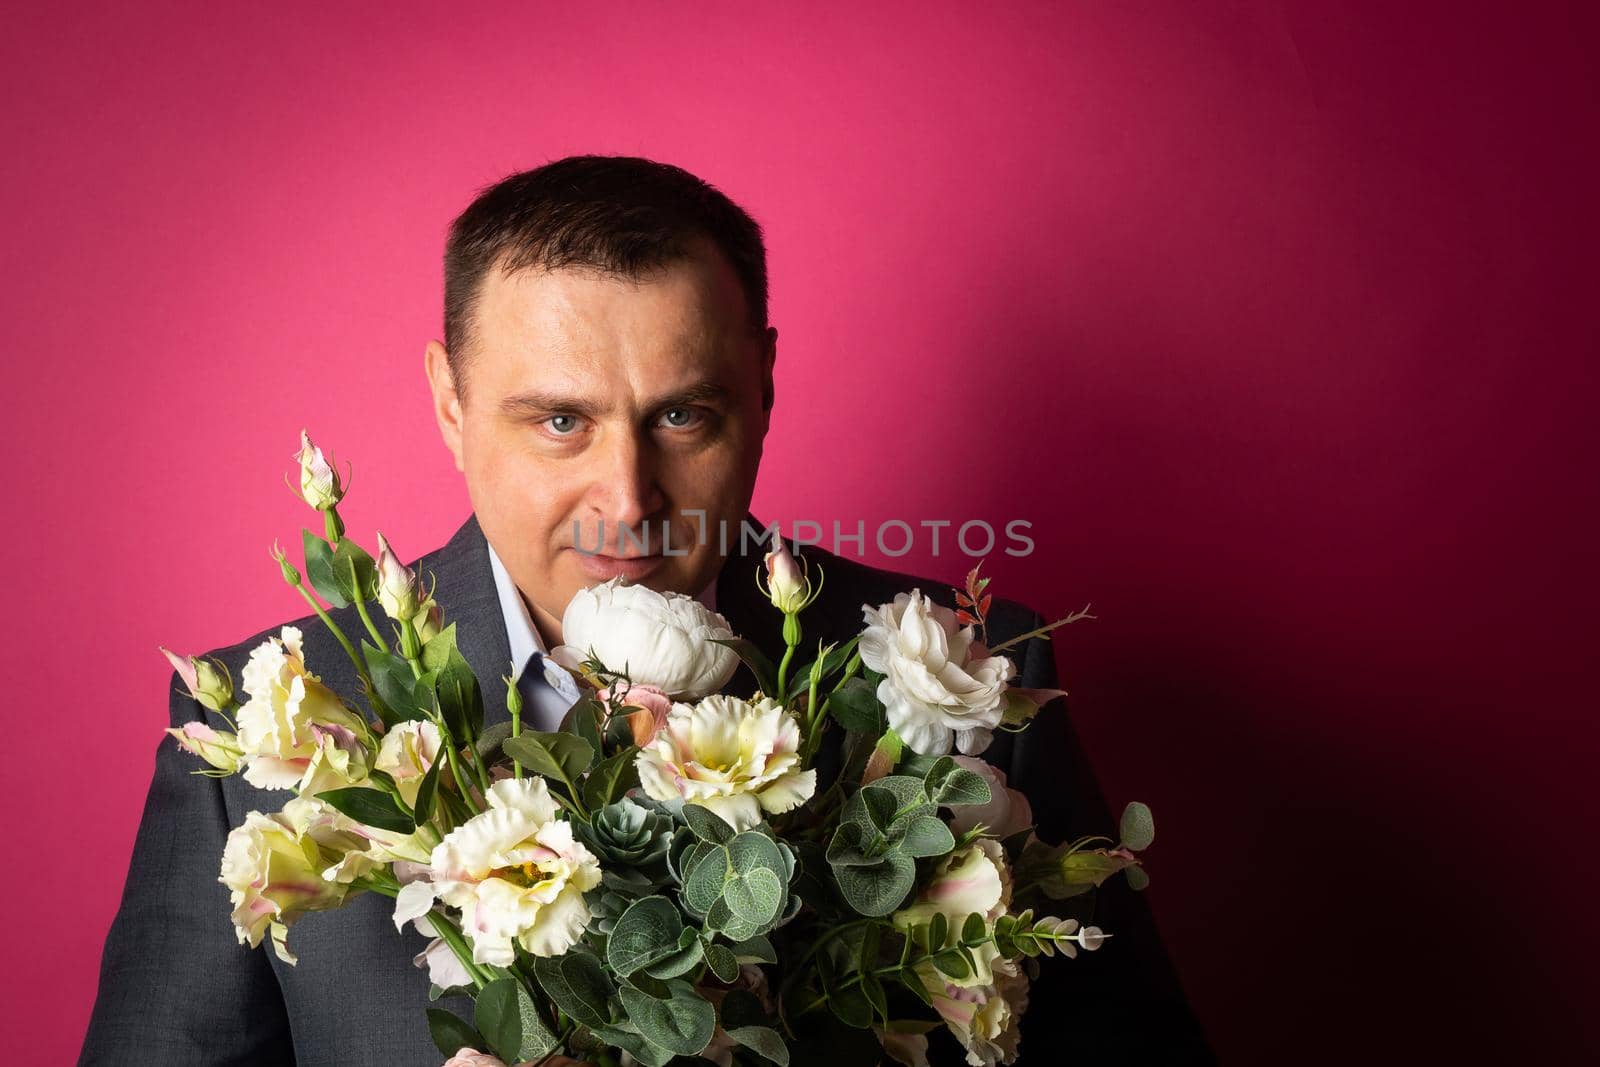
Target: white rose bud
[319,482]
[397,586]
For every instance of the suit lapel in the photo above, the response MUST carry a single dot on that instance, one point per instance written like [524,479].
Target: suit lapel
[465,586]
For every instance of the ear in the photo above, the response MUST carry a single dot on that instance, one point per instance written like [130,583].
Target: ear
[446,400]
[769,357]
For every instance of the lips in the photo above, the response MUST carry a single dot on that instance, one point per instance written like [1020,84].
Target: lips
[603,568]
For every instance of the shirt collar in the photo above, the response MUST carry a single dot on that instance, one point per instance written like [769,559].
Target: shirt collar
[521,633]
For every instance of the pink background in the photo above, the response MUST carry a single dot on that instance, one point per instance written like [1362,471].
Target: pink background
[1275,320]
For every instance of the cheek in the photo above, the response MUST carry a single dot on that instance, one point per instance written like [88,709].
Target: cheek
[514,485]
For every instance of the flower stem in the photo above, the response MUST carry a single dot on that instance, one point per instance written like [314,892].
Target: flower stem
[372,628]
[333,628]
[451,935]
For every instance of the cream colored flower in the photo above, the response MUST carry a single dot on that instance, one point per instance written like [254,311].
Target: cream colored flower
[940,683]
[976,878]
[406,754]
[273,866]
[987,1019]
[1007,812]
[659,639]
[295,731]
[733,756]
[516,873]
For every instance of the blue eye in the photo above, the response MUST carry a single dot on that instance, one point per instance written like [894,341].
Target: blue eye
[571,422]
[687,414]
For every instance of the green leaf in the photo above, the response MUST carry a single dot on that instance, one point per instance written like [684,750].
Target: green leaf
[1138,881]
[702,887]
[756,660]
[428,791]
[630,1040]
[975,929]
[854,705]
[953,963]
[459,699]
[1138,827]
[583,720]
[509,1021]
[396,685]
[951,785]
[682,1024]
[927,835]
[850,1004]
[755,950]
[686,958]
[707,824]
[319,569]
[877,890]
[370,807]
[436,653]
[938,931]
[832,661]
[880,806]
[614,776]
[489,742]
[722,961]
[451,1033]
[355,572]
[756,897]
[645,933]
[579,985]
[763,1041]
[562,756]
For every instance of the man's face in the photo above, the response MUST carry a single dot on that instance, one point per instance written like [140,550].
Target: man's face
[593,401]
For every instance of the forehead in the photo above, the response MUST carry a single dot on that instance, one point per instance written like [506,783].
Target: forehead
[692,308]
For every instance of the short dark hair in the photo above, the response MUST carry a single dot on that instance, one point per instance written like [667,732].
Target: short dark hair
[618,214]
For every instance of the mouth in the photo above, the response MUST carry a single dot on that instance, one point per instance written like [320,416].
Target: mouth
[603,568]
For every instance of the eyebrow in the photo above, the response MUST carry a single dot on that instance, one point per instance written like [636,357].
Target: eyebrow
[537,403]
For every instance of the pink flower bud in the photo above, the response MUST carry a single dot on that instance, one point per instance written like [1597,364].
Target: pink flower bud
[216,747]
[319,482]
[651,703]
[206,680]
[397,586]
[787,585]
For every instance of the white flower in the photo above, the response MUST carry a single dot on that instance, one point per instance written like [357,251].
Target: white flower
[515,872]
[659,639]
[406,754]
[295,731]
[1007,812]
[274,866]
[939,681]
[397,586]
[986,1019]
[733,756]
[319,482]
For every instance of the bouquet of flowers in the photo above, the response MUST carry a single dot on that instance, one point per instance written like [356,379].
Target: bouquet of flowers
[661,877]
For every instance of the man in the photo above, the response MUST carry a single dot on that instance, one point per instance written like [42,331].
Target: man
[607,365]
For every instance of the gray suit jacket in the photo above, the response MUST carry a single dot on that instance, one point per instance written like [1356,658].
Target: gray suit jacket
[177,988]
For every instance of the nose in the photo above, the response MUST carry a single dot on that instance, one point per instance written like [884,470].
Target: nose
[626,494]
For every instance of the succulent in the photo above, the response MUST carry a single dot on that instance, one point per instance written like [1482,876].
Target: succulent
[627,834]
